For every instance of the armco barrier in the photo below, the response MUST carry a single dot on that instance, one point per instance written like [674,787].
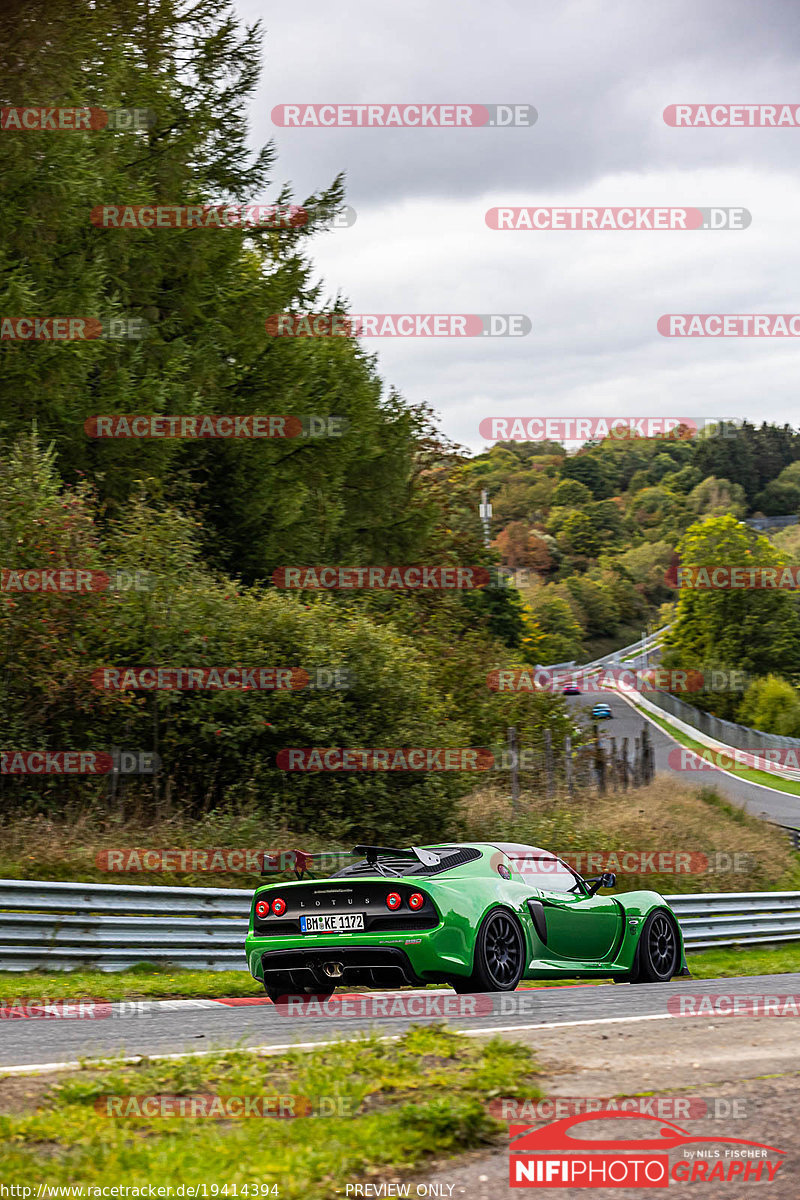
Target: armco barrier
[107,927]
[727,732]
[624,654]
[67,926]
[729,918]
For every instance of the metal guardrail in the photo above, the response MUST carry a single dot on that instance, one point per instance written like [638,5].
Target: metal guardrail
[791,832]
[67,926]
[763,523]
[728,733]
[732,918]
[616,656]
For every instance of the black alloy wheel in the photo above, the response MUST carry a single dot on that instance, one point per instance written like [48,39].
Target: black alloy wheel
[499,956]
[658,952]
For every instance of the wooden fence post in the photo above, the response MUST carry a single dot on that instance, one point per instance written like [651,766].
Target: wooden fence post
[568,767]
[648,756]
[599,763]
[548,764]
[614,764]
[512,747]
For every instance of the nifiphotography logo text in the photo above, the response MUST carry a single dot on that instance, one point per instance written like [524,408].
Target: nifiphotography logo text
[569,1154]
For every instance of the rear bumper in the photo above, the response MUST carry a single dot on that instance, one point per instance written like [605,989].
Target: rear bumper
[367,966]
[380,959]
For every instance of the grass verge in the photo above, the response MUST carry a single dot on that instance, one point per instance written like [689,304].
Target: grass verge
[745,960]
[396,1105]
[143,983]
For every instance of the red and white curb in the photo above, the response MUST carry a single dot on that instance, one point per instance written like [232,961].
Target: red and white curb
[29,1009]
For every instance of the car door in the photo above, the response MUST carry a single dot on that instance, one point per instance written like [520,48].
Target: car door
[577,926]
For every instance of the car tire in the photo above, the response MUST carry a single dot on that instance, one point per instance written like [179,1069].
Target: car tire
[499,960]
[658,954]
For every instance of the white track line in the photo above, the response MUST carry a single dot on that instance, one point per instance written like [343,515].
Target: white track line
[287,1047]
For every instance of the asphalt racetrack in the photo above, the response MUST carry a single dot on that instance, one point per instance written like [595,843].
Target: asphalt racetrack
[180,1027]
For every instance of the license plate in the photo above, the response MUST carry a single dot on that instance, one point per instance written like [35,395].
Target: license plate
[333,923]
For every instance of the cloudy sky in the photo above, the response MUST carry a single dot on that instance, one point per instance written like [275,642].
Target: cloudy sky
[599,73]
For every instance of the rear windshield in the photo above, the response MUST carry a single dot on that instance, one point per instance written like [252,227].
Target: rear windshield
[402,865]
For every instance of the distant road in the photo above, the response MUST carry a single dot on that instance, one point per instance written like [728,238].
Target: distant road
[781,807]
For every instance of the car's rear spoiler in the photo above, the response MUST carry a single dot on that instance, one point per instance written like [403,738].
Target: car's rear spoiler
[302,861]
[373,853]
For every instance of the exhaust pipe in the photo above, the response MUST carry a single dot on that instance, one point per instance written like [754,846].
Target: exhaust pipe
[334,970]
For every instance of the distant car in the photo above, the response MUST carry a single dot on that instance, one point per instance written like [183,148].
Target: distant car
[602,712]
[571,689]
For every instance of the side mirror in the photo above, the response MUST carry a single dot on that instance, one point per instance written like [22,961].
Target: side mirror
[607,880]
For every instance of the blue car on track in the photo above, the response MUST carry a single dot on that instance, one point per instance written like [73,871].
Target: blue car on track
[602,712]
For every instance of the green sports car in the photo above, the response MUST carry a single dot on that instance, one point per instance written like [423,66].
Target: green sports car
[479,917]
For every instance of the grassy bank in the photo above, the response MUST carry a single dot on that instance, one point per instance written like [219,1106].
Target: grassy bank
[661,817]
[396,1105]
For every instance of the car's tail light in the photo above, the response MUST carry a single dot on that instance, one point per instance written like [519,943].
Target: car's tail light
[262,908]
[278,907]
[416,900]
[393,901]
